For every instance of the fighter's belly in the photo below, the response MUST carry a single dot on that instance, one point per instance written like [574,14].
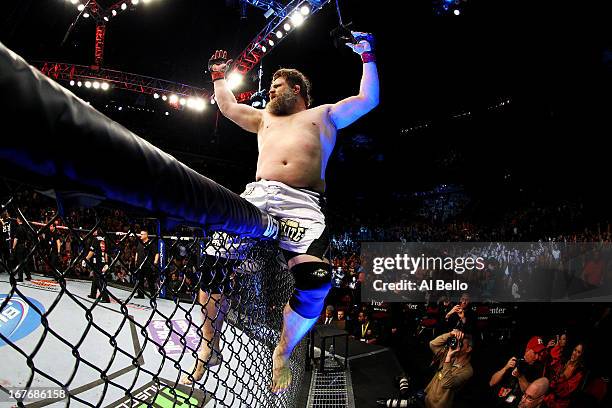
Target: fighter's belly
[301,170]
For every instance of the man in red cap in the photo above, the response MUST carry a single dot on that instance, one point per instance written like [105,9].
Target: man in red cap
[514,377]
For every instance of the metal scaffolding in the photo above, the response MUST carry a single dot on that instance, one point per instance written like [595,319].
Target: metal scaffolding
[266,40]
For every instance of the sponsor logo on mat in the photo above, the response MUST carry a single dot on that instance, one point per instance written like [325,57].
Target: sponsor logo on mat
[18,318]
[166,395]
[169,335]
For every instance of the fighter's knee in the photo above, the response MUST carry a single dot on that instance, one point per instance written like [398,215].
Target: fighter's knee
[312,283]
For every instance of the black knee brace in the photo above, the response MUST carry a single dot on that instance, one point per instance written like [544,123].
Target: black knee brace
[312,283]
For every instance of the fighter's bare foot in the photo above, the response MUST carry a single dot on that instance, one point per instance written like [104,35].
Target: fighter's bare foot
[198,369]
[281,372]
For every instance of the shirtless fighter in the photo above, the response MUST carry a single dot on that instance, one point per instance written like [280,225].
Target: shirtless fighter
[295,142]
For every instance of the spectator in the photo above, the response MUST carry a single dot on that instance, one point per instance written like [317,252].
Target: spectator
[565,379]
[556,348]
[513,379]
[461,316]
[341,322]
[593,272]
[445,308]
[328,316]
[172,273]
[365,330]
[453,372]
[534,394]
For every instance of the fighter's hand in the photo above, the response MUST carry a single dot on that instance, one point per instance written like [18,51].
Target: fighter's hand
[362,45]
[218,62]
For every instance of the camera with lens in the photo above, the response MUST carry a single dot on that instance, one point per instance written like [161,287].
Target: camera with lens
[452,342]
[521,365]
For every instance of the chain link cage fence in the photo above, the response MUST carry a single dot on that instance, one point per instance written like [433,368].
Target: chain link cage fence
[135,283]
[79,282]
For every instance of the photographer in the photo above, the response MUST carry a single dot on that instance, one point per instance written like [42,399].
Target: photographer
[514,377]
[454,350]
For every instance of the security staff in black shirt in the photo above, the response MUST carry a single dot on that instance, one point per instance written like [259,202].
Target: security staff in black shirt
[21,247]
[6,244]
[98,259]
[54,246]
[147,260]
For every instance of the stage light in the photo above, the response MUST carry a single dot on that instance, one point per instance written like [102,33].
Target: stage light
[182,101]
[71,83]
[167,114]
[114,12]
[74,1]
[287,26]
[81,7]
[164,98]
[79,84]
[96,85]
[297,19]
[105,86]
[155,95]
[271,43]
[85,15]
[263,48]
[305,10]
[87,84]
[456,12]
[120,108]
[234,80]
[196,104]
[106,19]
[134,2]
[200,104]
[123,6]
[279,34]
[212,101]
[173,99]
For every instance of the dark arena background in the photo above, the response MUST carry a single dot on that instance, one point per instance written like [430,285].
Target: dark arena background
[124,236]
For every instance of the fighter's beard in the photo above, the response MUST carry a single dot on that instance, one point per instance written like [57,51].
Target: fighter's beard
[283,104]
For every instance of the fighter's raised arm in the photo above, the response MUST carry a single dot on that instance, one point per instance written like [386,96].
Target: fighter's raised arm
[350,109]
[244,116]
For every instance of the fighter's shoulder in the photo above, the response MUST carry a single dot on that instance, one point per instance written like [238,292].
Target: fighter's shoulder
[321,110]
[324,108]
